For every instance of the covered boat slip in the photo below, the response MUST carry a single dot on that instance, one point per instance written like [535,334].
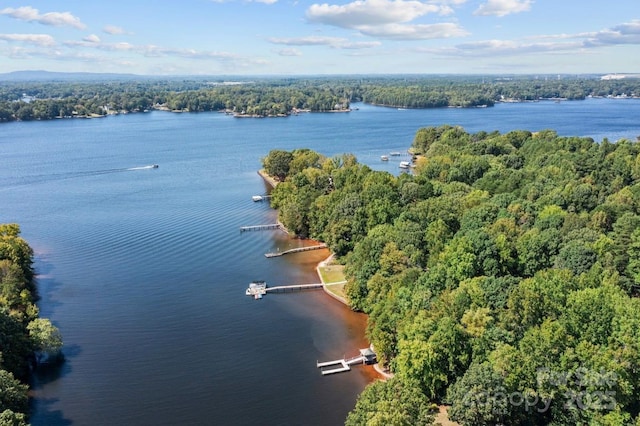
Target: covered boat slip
[367,356]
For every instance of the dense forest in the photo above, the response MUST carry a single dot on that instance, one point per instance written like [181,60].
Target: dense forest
[276,97]
[501,277]
[26,341]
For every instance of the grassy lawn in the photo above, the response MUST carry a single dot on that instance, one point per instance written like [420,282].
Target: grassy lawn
[338,290]
[333,274]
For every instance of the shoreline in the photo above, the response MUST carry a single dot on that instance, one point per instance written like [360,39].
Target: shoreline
[383,373]
[324,284]
[268,179]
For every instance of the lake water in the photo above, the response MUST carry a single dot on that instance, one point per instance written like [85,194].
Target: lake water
[144,270]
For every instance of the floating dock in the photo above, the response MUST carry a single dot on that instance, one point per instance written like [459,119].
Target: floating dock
[256,289]
[296,250]
[345,366]
[367,356]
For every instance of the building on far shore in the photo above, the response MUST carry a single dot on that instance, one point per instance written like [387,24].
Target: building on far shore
[619,76]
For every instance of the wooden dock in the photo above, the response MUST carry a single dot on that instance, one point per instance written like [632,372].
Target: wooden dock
[296,250]
[261,227]
[257,289]
[294,287]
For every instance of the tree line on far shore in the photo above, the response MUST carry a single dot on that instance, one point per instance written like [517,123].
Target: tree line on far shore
[27,342]
[275,97]
[500,277]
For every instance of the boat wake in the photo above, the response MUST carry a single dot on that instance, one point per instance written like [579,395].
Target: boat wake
[44,178]
[153,166]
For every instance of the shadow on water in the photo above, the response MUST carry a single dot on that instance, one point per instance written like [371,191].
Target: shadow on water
[41,376]
[46,286]
[46,414]
[44,375]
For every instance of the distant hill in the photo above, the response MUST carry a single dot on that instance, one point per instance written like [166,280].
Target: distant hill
[50,76]
[38,75]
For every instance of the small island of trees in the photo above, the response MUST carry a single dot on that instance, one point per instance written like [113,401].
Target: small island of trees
[27,342]
[500,278]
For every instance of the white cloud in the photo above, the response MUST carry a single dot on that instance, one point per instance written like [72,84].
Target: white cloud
[389,19]
[369,12]
[624,34]
[246,1]
[153,51]
[30,14]
[43,40]
[627,33]
[113,55]
[446,2]
[92,38]
[307,41]
[556,36]
[113,30]
[15,53]
[414,32]
[289,52]
[358,45]
[88,42]
[334,42]
[510,48]
[503,7]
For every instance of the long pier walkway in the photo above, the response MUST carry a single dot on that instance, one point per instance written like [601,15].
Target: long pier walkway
[296,250]
[261,227]
[257,289]
[294,287]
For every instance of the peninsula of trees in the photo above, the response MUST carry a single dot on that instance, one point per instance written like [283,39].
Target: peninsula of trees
[276,97]
[501,277]
[26,341]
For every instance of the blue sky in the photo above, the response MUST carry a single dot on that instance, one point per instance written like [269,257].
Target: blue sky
[302,37]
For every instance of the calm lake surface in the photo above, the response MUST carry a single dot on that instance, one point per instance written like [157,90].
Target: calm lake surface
[144,270]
